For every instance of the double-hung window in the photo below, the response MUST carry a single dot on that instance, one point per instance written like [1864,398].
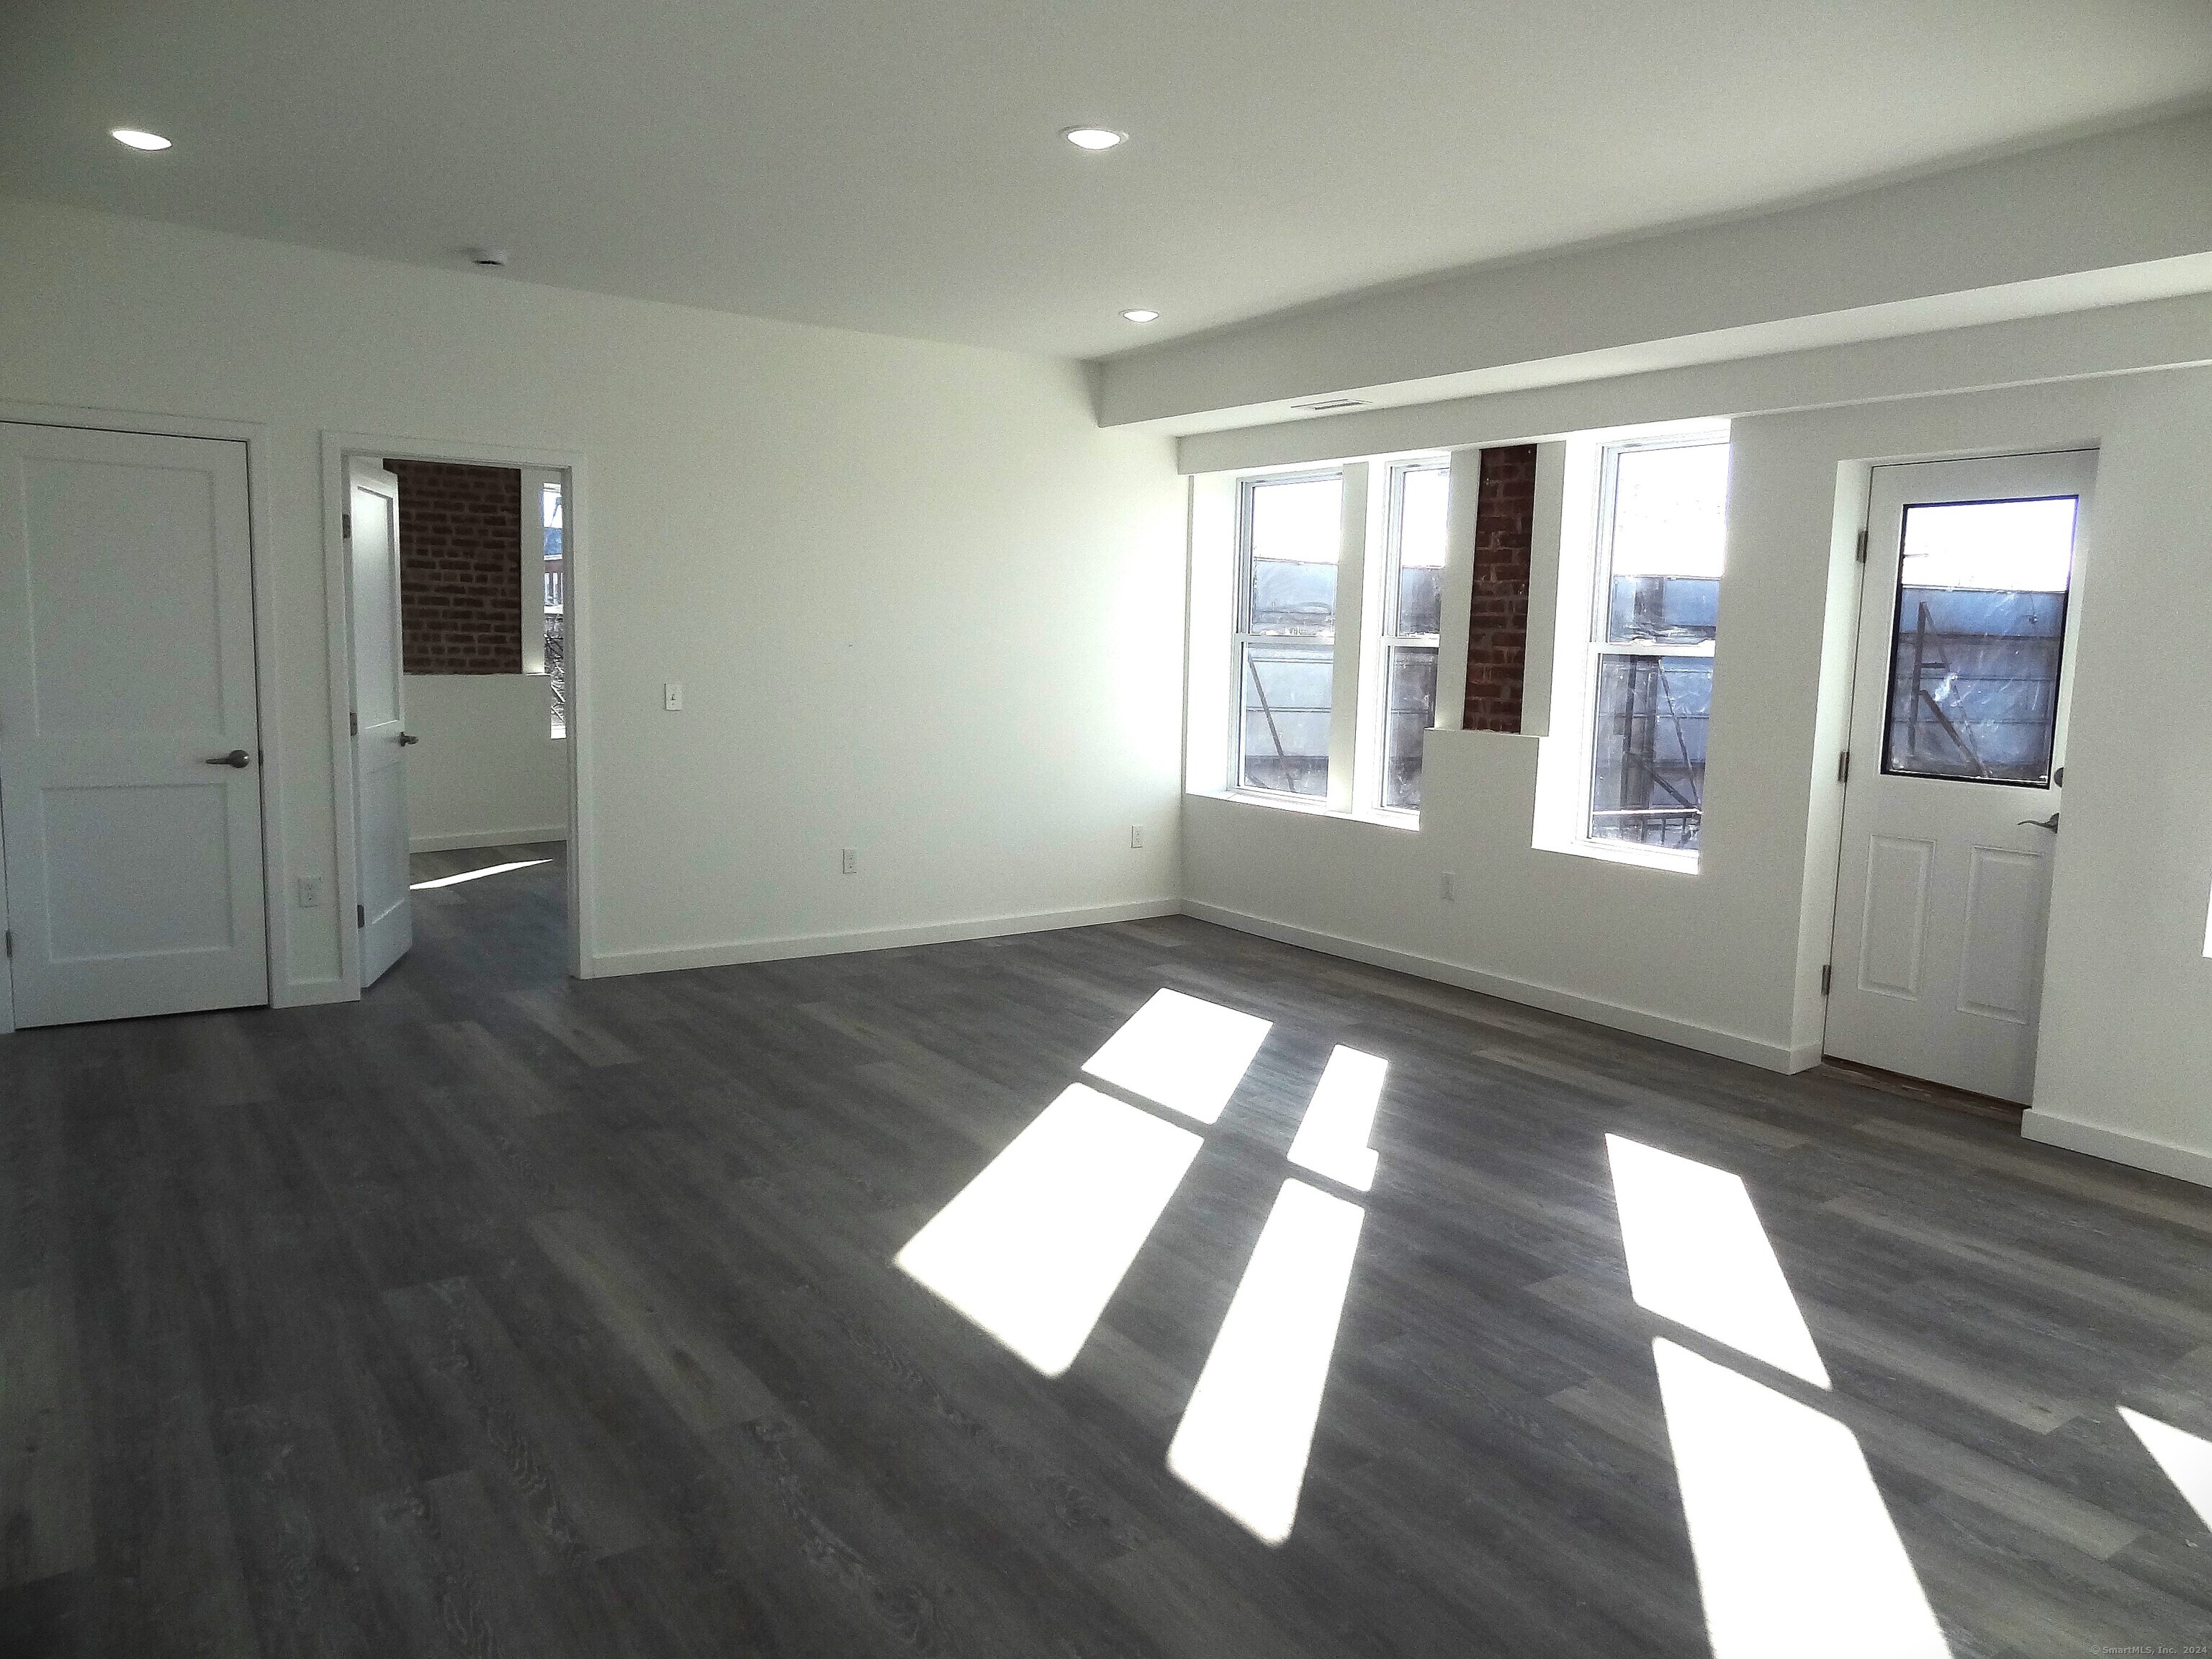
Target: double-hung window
[1290,533]
[1412,617]
[1662,533]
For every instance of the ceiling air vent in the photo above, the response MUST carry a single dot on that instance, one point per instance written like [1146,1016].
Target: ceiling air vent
[1330,405]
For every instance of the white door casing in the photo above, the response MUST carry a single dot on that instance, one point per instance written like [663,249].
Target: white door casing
[135,867]
[380,740]
[1944,882]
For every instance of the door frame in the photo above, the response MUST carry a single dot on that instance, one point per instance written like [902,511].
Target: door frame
[1862,480]
[275,862]
[338,448]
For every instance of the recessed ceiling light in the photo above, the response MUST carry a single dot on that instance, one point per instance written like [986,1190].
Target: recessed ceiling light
[1140,315]
[136,139]
[1094,138]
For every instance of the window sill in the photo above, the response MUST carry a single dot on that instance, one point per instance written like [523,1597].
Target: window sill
[1648,858]
[1406,823]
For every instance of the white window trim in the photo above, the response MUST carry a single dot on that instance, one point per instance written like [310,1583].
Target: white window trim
[1384,535]
[1221,550]
[1242,638]
[1568,761]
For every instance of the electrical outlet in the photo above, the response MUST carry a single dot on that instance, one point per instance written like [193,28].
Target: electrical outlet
[672,694]
[311,892]
[1136,835]
[1451,885]
[848,861]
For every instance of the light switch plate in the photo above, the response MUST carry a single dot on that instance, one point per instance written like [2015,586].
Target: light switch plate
[672,694]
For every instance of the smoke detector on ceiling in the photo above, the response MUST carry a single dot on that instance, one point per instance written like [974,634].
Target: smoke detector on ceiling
[491,259]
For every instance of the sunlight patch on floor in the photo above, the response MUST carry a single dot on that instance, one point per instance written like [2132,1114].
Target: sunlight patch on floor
[1332,1139]
[1246,1435]
[2187,1459]
[1034,1247]
[478,875]
[1697,1256]
[1795,1550]
[1187,1054]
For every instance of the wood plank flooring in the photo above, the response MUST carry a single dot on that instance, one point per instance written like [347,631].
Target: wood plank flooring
[500,1314]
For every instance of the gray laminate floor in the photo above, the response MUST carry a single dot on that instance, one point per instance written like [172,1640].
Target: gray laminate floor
[503,1315]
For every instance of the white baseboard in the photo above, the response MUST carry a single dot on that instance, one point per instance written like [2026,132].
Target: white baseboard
[473,838]
[2137,1152]
[1705,1039]
[608,963]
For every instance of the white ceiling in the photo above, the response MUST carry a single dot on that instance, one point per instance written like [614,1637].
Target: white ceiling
[894,165]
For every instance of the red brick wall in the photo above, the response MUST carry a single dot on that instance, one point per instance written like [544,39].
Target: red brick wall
[1498,614]
[460,573]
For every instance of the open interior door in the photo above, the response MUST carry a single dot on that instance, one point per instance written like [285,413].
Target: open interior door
[380,740]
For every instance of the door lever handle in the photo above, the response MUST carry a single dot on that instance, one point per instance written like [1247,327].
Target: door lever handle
[237,757]
[406,738]
[2049,824]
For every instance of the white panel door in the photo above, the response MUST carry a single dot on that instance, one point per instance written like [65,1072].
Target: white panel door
[129,742]
[1958,750]
[380,741]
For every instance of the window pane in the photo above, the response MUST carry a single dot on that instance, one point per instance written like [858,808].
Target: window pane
[1668,532]
[1647,766]
[1285,716]
[1297,529]
[1981,620]
[1412,711]
[1663,610]
[1423,498]
[549,516]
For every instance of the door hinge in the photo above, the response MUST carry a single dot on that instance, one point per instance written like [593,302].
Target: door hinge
[1827,977]
[11,941]
[1844,767]
[359,916]
[352,722]
[1863,542]
[346,522]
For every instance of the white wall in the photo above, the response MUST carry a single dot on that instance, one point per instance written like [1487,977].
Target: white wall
[922,606]
[488,770]
[1729,959]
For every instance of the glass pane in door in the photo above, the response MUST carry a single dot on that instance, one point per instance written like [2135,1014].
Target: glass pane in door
[1980,626]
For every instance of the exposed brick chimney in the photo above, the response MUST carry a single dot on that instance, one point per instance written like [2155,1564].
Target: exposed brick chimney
[1498,612]
[460,576]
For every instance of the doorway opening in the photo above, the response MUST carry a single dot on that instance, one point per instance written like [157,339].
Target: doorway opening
[458,594]
[1956,766]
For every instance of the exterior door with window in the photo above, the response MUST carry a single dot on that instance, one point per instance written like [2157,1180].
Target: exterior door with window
[1951,817]
[130,740]
[386,918]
